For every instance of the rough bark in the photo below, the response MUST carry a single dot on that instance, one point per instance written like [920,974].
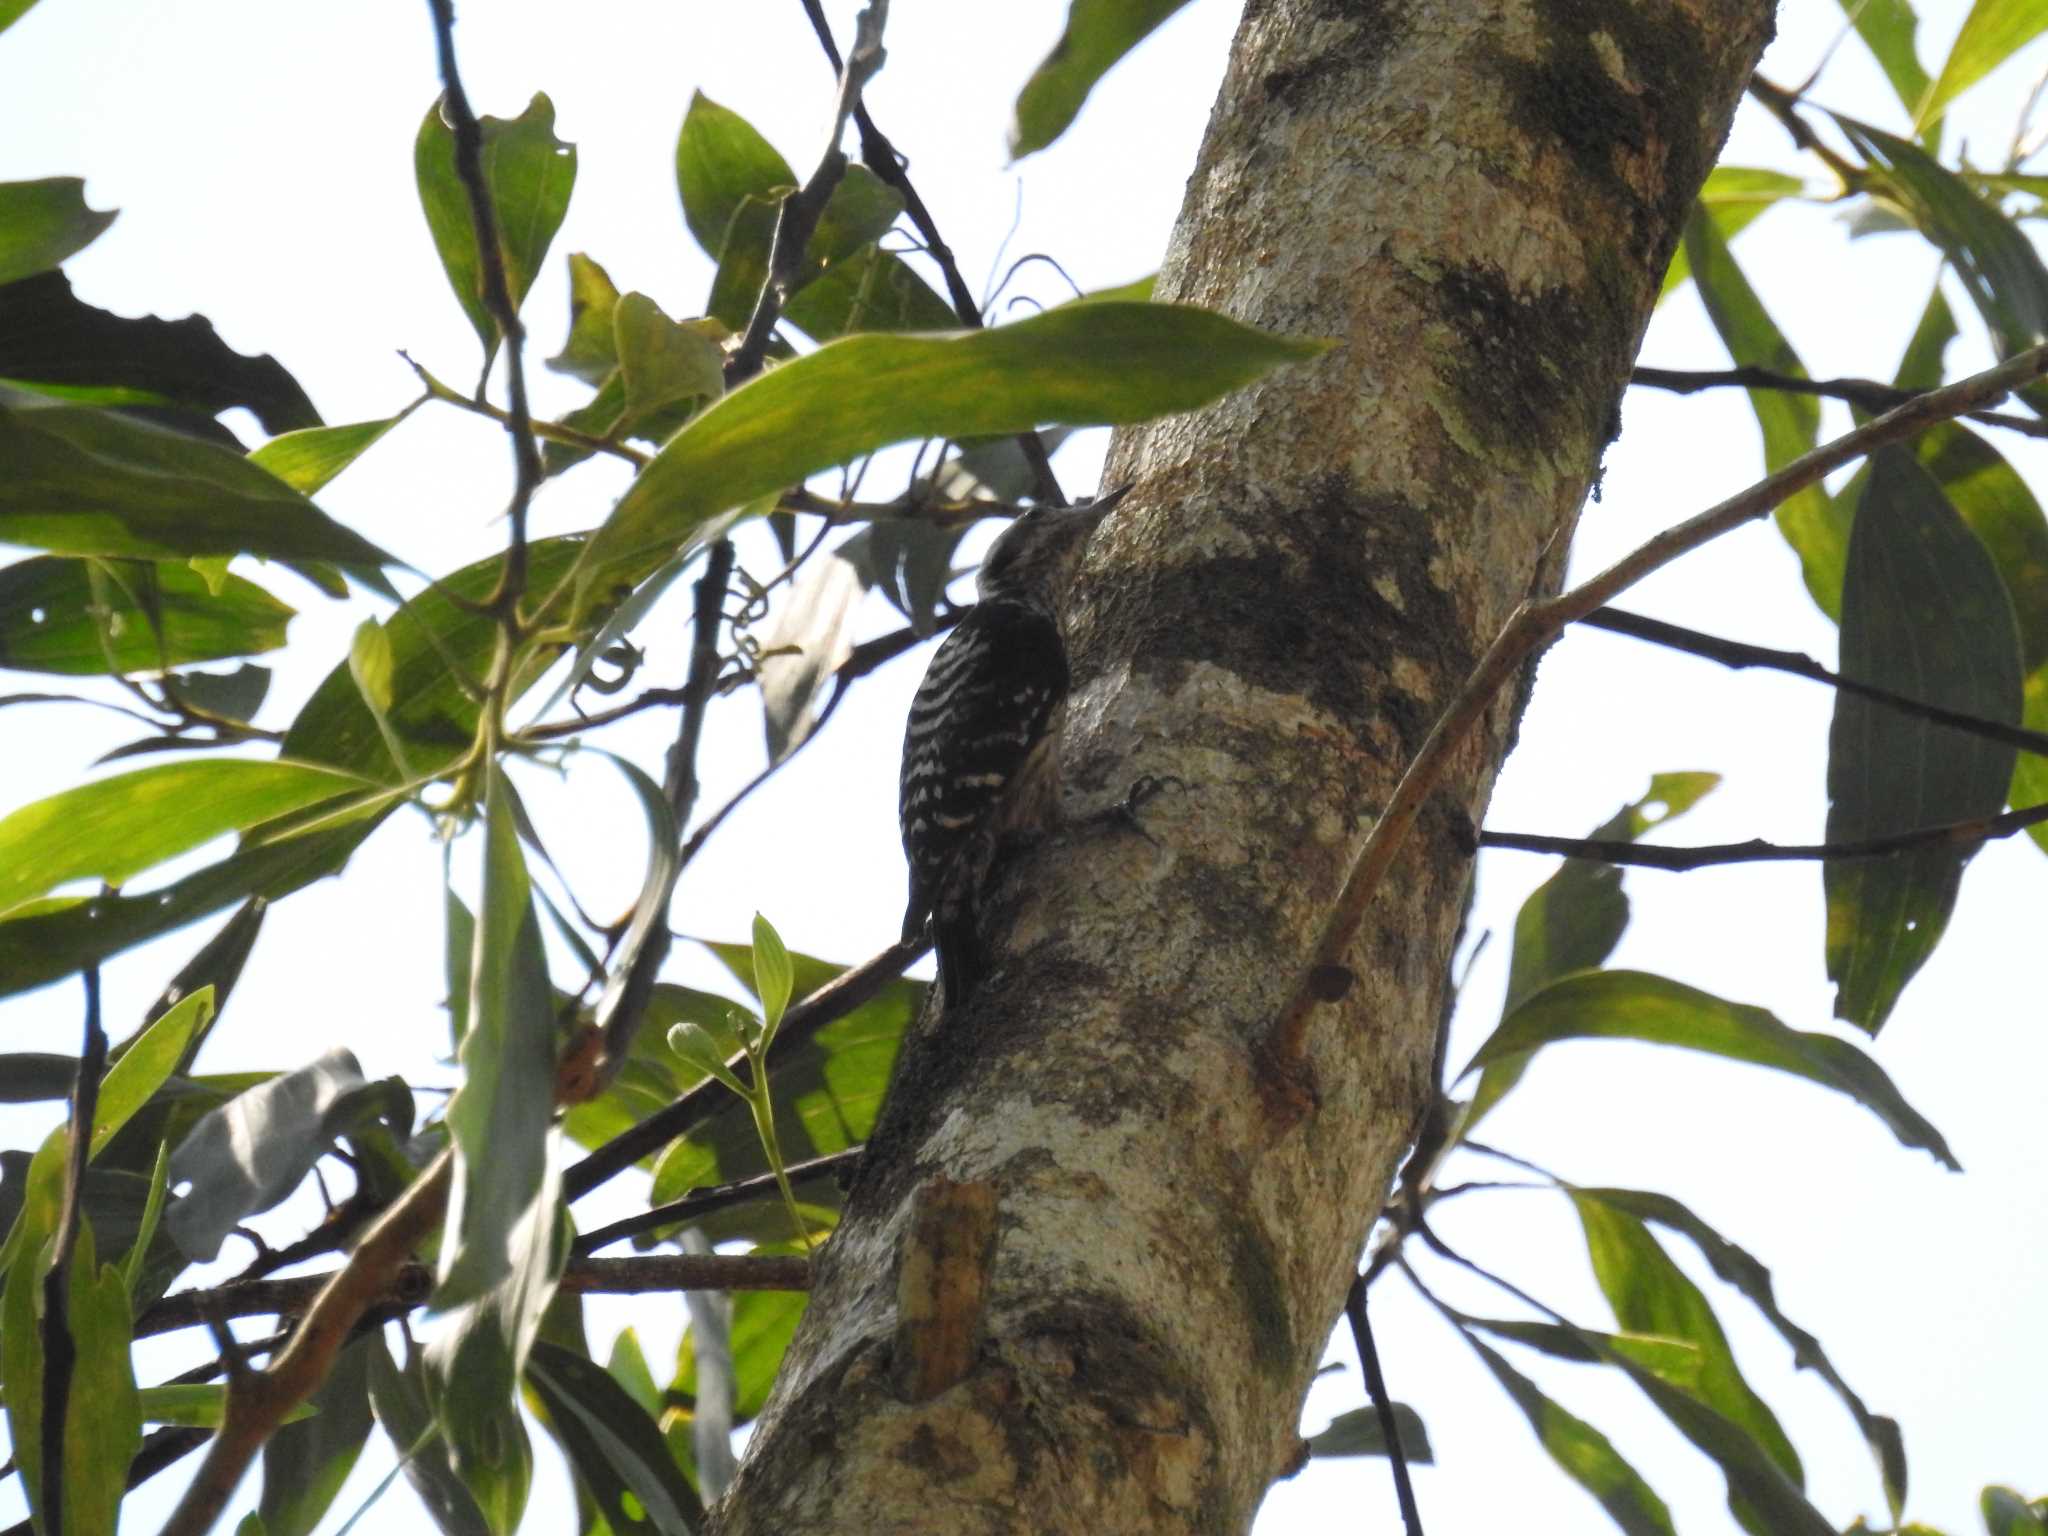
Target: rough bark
[1477,201]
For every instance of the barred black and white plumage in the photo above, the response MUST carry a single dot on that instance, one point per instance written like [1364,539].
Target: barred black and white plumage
[980,753]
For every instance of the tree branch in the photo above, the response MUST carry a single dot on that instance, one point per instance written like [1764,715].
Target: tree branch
[411,1284]
[1376,1388]
[889,163]
[259,1401]
[718,1197]
[1739,655]
[1954,834]
[1867,393]
[1533,625]
[798,216]
[497,296]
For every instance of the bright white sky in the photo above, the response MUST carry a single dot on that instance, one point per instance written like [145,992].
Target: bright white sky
[261,156]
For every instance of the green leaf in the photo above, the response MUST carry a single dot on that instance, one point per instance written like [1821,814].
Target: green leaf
[1924,613]
[1581,1452]
[180,371]
[590,353]
[1997,264]
[44,223]
[1672,1360]
[622,1007]
[1574,919]
[500,1117]
[1357,1432]
[460,955]
[53,620]
[438,639]
[1887,28]
[12,11]
[1992,33]
[1632,1005]
[763,1322]
[1732,199]
[306,460]
[102,1420]
[667,368]
[732,183]
[400,1400]
[529,173]
[773,975]
[2007,1514]
[235,695]
[1651,1295]
[704,1053]
[1093,364]
[116,828]
[251,1153]
[371,664]
[1790,423]
[158,1052]
[1098,33]
[135,1268]
[614,1445]
[46,940]
[1735,1266]
[88,482]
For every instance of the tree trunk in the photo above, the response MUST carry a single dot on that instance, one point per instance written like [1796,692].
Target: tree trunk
[1108,1322]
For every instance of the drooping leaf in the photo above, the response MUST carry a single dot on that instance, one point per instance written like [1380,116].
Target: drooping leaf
[53,620]
[114,829]
[529,173]
[1581,1452]
[1732,199]
[1992,33]
[1652,1295]
[307,459]
[1357,1432]
[249,1154]
[1790,423]
[306,1462]
[668,368]
[1998,265]
[500,1116]
[44,223]
[1924,613]
[235,695]
[399,1397]
[622,1007]
[1098,33]
[1888,29]
[45,940]
[178,371]
[1633,1005]
[590,353]
[617,1451]
[1673,1360]
[1091,364]
[82,481]
[807,638]
[1735,1266]
[1573,920]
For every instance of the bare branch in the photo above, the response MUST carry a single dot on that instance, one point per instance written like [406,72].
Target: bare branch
[718,1197]
[1376,1388]
[1533,625]
[1869,394]
[1738,655]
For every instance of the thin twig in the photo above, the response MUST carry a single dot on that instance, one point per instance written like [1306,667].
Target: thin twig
[1376,1388]
[718,1197]
[552,431]
[882,157]
[1739,655]
[1954,834]
[60,1350]
[1784,106]
[797,219]
[1869,394]
[410,1286]
[259,1402]
[1534,624]
[497,297]
[837,998]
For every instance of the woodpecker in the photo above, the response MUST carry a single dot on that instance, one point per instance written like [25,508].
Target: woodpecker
[981,751]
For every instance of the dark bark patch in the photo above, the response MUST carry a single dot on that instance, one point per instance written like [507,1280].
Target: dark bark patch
[1306,610]
[1377,26]
[1255,1275]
